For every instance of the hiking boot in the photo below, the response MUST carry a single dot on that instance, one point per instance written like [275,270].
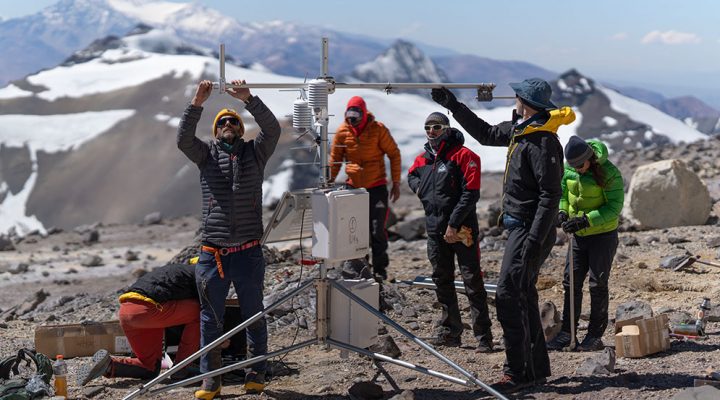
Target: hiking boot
[559,342]
[591,344]
[444,338]
[254,382]
[209,389]
[100,364]
[484,346]
[508,384]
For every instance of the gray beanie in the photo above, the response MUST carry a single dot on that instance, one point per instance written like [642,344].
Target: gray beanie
[437,118]
[577,151]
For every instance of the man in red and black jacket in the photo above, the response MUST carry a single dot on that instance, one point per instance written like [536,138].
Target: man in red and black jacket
[446,178]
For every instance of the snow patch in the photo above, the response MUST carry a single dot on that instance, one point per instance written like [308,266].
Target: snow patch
[609,121]
[153,13]
[11,91]
[41,133]
[660,122]
[274,186]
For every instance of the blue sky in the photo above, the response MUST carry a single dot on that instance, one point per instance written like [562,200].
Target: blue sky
[664,45]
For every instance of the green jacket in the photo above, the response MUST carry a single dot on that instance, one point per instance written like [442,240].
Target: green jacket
[583,196]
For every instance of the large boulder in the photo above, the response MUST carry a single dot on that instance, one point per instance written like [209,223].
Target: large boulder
[665,194]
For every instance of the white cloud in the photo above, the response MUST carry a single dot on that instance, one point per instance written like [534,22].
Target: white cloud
[670,37]
[619,36]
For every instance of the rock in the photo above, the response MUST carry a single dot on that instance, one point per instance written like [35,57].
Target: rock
[137,273]
[53,230]
[551,320]
[32,302]
[6,244]
[698,393]
[366,391]
[652,239]
[131,255]
[405,395]
[411,228]
[356,269]
[677,240]
[414,326]
[386,345]
[493,213]
[409,312]
[713,242]
[632,309]
[19,268]
[714,314]
[153,218]
[92,260]
[677,195]
[90,237]
[680,317]
[495,231]
[600,364]
[629,241]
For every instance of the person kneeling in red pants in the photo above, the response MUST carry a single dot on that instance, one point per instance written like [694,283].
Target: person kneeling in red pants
[164,297]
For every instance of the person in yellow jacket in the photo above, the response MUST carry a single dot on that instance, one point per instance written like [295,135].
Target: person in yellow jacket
[361,142]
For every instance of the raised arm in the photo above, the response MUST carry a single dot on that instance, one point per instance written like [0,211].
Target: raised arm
[195,149]
[267,139]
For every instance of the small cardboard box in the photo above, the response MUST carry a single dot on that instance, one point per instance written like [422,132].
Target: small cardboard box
[638,337]
[79,340]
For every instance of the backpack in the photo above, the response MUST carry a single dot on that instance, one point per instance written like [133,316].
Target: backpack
[14,387]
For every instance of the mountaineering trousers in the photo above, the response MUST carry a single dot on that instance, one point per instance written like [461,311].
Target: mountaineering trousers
[245,269]
[593,254]
[516,300]
[378,235]
[144,325]
[442,258]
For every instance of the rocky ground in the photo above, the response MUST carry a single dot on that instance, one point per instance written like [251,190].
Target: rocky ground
[75,276]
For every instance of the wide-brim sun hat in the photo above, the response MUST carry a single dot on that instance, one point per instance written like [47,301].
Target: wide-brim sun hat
[536,92]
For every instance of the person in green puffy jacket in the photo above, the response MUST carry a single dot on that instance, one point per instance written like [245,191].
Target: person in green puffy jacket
[589,209]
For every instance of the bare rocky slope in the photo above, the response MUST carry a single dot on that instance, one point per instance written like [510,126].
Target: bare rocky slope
[75,276]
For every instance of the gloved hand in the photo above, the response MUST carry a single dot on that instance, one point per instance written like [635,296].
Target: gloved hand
[445,98]
[562,217]
[530,251]
[575,224]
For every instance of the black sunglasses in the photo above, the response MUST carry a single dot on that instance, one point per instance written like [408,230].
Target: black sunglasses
[435,127]
[232,120]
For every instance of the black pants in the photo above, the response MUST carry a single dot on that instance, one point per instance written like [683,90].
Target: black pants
[442,258]
[593,254]
[378,235]
[516,300]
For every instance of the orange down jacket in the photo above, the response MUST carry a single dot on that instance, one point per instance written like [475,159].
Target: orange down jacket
[364,153]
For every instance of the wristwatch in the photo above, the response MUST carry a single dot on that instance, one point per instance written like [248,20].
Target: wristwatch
[247,101]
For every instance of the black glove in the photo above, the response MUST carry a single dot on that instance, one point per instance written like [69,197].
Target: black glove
[575,224]
[561,219]
[530,251]
[445,98]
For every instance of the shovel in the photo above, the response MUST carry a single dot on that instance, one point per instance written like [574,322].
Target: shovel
[692,260]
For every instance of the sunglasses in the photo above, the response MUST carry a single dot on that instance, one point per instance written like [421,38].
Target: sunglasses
[232,120]
[435,127]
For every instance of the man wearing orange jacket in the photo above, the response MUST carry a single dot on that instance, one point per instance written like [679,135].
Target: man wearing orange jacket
[362,143]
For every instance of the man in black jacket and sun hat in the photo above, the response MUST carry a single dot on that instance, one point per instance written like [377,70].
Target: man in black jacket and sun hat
[531,194]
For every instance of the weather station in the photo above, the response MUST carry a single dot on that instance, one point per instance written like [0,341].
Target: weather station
[347,315]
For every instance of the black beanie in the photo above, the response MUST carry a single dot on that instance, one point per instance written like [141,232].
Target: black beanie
[577,151]
[437,118]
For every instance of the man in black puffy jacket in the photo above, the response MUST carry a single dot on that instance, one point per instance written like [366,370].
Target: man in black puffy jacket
[531,195]
[231,177]
[164,297]
[446,178]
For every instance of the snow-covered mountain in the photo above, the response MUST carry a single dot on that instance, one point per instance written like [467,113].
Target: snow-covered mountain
[402,62]
[93,138]
[42,40]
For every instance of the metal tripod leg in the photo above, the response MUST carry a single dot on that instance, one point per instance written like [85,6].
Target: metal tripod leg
[233,367]
[144,388]
[418,341]
[572,345]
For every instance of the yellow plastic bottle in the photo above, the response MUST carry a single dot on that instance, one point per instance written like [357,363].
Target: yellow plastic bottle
[60,372]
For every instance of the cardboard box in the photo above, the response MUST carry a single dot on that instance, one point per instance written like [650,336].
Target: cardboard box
[79,340]
[638,337]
